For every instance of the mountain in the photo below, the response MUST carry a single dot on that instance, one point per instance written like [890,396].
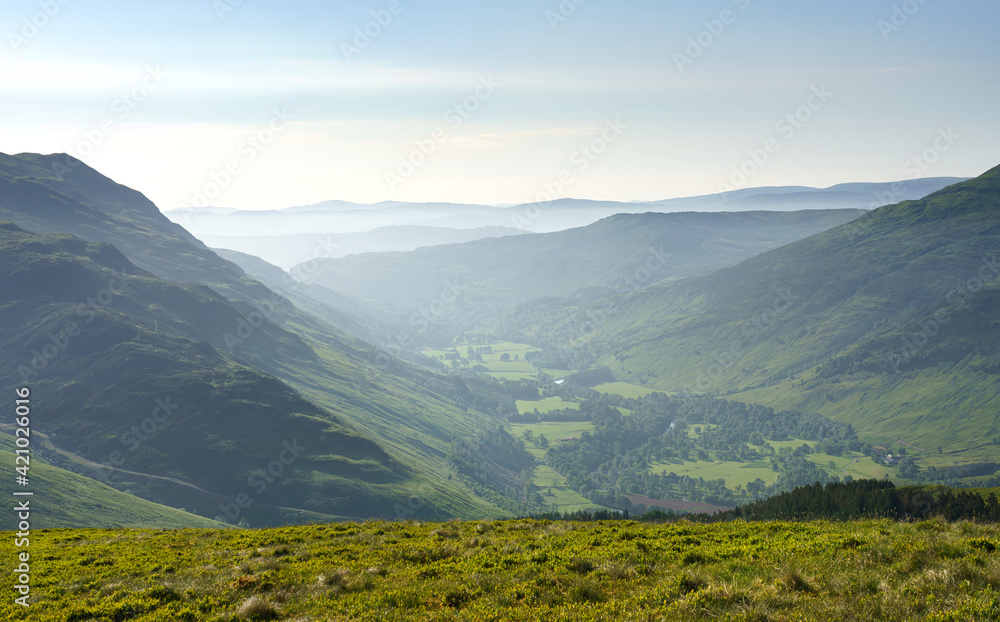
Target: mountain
[336,217]
[858,195]
[251,370]
[546,215]
[344,312]
[144,372]
[59,194]
[888,323]
[621,252]
[66,499]
[290,250]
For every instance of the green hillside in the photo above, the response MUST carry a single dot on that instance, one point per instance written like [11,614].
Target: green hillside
[100,373]
[621,252]
[59,194]
[251,373]
[516,570]
[888,323]
[66,499]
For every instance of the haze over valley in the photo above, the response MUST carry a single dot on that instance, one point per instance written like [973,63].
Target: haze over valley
[459,311]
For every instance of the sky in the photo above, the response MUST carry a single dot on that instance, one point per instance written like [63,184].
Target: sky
[263,104]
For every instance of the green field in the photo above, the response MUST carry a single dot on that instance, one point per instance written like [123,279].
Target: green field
[857,465]
[545,405]
[552,431]
[735,473]
[515,369]
[617,571]
[557,495]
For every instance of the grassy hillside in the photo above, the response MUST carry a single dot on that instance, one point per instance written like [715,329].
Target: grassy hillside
[625,251]
[59,194]
[66,499]
[887,322]
[517,570]
[148,377]
[249,368]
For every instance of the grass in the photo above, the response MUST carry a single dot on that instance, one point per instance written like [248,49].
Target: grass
[516,570]
[857,466]
[65,499]
[735,473]
[513,369]
[625,389]
[558,496]
[553,431]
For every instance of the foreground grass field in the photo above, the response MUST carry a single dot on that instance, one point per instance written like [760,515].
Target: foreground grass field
[516,570]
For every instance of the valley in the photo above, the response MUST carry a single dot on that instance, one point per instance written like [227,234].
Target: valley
[447,311]
[501,393]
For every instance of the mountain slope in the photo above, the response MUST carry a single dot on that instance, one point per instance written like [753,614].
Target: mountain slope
[620,252]
[42,194]
[888,322]
[226,341]
[65,499]
[125,381]
[290,250]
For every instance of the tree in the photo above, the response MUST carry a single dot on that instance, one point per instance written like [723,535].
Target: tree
[505,356]
[542,441]
[908,467]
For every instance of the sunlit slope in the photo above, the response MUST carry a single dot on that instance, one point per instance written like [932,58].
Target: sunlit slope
[624,251]
[148,377]
[888,322]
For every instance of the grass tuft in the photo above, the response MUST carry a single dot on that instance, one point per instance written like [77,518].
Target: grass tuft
[256,608]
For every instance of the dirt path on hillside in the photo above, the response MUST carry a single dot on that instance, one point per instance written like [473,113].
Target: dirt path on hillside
[892,437]
[78,459]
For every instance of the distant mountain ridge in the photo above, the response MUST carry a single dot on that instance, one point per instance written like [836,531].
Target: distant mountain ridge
[544,217]
[290,250]
[621,251]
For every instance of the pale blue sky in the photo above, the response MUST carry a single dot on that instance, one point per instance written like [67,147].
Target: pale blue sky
[212,82]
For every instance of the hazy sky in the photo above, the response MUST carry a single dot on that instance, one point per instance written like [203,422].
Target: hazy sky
[500,102]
